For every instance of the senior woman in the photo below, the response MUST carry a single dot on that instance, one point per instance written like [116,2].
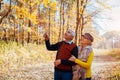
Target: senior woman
[84,60]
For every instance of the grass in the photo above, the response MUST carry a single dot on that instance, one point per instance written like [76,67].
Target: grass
[114,53]
[17,56]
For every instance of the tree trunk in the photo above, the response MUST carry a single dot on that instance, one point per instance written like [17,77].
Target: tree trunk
[68,18]
[28,41]
[83,5]
[23,37]
[14,31]
[49,22]
[77,22]
[18,33]
[29,24]
[60,30]
[63,22]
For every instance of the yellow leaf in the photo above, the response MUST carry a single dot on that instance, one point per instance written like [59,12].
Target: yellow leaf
[80,11]
[29,30]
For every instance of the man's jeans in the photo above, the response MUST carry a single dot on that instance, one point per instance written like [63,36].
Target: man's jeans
[62,75]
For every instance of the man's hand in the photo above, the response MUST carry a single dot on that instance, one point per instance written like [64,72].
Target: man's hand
[72,58]
[46,36]
[57,62]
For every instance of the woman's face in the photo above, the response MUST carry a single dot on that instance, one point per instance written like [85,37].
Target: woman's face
[85,41]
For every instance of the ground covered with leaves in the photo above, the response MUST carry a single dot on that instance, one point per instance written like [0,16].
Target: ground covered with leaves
[34,62]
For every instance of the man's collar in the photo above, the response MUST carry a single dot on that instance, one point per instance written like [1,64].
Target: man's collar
[70,42]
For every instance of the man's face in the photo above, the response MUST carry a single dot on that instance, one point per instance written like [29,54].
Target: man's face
[68,35]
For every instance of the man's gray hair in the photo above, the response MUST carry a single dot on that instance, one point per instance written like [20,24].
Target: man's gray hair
[72,32]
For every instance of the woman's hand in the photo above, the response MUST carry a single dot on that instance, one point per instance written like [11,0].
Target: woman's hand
[72,58]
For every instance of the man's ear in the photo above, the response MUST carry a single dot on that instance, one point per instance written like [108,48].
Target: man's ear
[72,37]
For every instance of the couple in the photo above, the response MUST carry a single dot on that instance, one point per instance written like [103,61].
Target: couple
[72,62]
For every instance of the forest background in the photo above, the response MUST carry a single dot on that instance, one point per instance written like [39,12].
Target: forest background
[23,22]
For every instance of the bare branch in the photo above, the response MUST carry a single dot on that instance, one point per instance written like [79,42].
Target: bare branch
[6,13]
